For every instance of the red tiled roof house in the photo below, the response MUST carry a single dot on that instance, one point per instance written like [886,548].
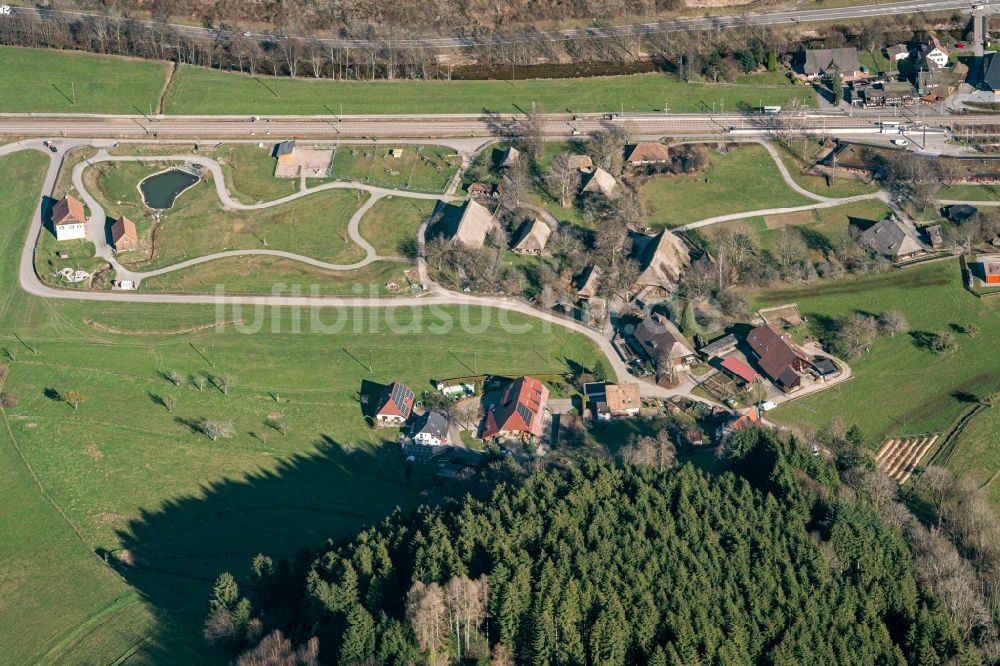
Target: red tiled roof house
[395,406]
[69,219]
[123,235]
[519,412]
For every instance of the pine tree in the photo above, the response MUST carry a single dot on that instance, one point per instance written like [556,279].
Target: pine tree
[358,642]
[225,592]
[689,325]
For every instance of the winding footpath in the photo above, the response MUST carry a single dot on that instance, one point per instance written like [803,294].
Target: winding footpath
[97,235]
[435,296]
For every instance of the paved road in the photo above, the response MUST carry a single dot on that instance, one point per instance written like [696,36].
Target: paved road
[440,126]
[782,17]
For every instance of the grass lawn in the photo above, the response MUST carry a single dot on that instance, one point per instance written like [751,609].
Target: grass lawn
[391,224]
[916,390]
[46,81]
[81,257]
[819,227]
[51,580]
[264,275]
[171,507]
[838,187]
[249,173]
[315,226]
[420,168]
[746,179]
[970,192]
[977,455]
[202,91]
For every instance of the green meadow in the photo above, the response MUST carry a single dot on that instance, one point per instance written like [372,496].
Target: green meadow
[121,512]
[900,387]
[46,81]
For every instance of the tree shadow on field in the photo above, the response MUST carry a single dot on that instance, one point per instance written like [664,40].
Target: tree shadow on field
[922,339]
[173,553]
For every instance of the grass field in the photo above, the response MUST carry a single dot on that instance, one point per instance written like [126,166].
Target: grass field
[839,187]
[917,391]
[202,91]
[262,275]
[420,168]
[110,85]
[315,226]
[249,173]
[977,455]
[820,227]
[40,81]
[743,180]
[171,507]
[970,192]
[51,579]
[391,224]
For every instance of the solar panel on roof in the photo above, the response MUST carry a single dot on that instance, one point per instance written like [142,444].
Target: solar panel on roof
[401,395]
[525,413]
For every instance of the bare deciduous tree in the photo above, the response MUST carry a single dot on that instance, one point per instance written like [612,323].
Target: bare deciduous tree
[218,429]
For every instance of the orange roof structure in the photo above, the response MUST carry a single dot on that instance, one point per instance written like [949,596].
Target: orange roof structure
[123,234]
[68,210]
[740,369]
[520,409]
[397,400]
[648,153]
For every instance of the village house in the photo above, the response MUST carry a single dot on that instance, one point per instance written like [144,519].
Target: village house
[933,55]
[646,153]
[935,236]
[783,361]
[600,182]
[285,151]
[990,80]
[659,341]
[509,157]
[724,345]
[395,406]
[474,225]
[479,189]
[430,429]
[588,282]
[123,235]
[533,238]
[990,267]
[897,52]
[519,412]
[821,63]
[890,238]
[609,401]
[662,259]
[744,422]
[69,220]
[581,163]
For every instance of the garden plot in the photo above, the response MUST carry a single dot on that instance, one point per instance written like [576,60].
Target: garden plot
[898,457]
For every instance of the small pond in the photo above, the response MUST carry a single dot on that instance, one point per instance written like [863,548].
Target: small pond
[161,189]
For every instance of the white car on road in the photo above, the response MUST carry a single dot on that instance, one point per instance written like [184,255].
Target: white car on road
[900,142]
[767,405]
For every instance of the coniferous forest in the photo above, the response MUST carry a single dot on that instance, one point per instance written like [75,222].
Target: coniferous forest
[771,562]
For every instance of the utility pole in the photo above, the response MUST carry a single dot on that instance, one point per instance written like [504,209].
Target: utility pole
[72,85]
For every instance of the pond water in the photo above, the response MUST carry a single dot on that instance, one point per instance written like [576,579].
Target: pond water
[161,189]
